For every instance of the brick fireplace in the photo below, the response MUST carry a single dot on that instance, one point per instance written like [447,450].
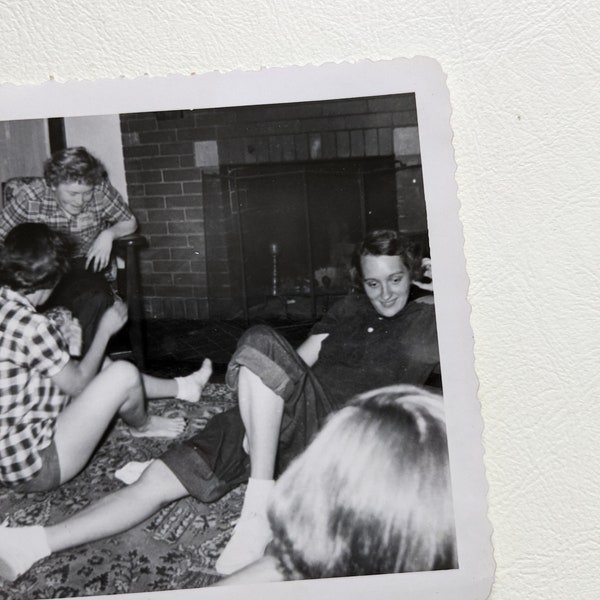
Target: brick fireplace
[207,187]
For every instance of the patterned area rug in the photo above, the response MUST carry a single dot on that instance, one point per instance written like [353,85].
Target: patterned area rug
[174,549]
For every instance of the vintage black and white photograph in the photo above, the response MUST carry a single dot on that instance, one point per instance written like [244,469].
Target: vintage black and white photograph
[235,349]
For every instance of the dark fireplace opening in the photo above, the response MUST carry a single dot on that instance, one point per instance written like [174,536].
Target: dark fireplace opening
[288,230]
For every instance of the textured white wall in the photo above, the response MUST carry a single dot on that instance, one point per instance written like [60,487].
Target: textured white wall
[524,79]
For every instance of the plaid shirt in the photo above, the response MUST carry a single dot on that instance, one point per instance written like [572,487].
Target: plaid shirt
[36,203]
[32,350]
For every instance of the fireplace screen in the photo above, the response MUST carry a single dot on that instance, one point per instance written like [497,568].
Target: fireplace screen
[293,227]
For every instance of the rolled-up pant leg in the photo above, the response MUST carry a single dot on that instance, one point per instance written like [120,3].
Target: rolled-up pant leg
[213,461]
[306,402]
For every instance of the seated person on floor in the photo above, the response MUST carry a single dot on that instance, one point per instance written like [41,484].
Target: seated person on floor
[372,338]
[371,494]
[76,197]
[54,409]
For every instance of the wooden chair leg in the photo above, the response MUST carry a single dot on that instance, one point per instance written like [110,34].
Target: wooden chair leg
[131,245]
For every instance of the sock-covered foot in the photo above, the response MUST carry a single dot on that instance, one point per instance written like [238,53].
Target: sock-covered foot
[247,544]
[252,532]
[20,548]
[132,471]
[163,427]
[189,388]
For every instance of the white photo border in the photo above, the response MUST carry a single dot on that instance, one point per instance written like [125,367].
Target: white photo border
[424,77]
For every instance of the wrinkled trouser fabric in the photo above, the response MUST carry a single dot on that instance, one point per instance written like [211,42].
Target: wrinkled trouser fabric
[213,461]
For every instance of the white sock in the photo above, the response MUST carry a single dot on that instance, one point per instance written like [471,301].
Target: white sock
[257,496]
[20,548]
[132,471]
[252,532]
[189,388]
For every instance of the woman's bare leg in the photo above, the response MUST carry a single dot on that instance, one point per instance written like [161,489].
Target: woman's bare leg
[115,390]
[261,410]
[21,547]
[187,388]
[119,511]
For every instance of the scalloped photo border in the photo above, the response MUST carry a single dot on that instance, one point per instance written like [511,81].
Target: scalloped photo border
[425,78]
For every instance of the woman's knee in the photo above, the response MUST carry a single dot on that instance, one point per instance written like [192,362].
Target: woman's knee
[160,483]
[122,374]
[257,336]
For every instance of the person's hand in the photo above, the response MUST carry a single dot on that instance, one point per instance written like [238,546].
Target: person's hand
[69,327]
[425,274]
[99,253]
[72,334]
[114,318]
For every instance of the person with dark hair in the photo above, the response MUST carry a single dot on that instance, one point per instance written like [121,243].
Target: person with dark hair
[76,197]
[54,409]
[370,339]
[370,495]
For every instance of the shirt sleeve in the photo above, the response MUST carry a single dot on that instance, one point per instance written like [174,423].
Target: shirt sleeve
[14,213]
[48,349]
[426,338]
[339,312]
[114,208]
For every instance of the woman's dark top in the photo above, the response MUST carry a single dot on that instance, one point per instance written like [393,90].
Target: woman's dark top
[364,350]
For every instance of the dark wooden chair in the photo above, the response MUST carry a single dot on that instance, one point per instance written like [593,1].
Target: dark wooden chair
[126,283]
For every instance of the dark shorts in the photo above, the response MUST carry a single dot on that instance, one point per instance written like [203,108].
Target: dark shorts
[48,477]
[213,461]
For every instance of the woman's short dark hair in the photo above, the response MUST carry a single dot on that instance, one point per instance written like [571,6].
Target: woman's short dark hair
[371,494]
[74,165]
[387,242]
[34,257]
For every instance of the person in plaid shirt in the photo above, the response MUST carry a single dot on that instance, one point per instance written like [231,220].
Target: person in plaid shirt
[76,197]
[54,409]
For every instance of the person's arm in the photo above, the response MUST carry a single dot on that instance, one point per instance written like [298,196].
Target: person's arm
[426,282]
[119,221]
[99,253]
[123,228]
[14,213]
[76,375]
[310,348]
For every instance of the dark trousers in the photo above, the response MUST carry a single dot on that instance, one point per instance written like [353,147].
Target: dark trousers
[86,294]
[213,461]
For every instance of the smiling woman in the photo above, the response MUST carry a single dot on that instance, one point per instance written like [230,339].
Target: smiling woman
[367,340]
[73,196]
[386,282]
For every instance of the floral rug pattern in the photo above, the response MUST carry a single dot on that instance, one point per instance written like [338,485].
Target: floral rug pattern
[174,549]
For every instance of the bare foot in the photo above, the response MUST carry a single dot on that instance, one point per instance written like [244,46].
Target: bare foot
[163,427]
[190,388]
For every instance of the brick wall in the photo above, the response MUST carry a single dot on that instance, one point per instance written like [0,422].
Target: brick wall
[192,237]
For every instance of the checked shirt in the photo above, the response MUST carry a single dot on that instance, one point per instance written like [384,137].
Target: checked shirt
[36,203]
[31,352]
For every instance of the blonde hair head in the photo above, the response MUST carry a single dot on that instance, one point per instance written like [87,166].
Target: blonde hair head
[371,494]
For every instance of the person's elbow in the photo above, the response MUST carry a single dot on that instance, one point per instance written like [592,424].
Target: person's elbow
[77,384]
[132,226]
[124,228]
[72,379]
